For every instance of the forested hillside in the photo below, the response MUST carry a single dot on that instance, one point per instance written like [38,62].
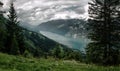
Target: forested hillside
[17,40]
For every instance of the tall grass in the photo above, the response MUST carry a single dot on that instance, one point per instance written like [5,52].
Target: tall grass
[18,63]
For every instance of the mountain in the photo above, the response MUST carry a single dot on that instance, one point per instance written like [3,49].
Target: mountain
[16,40]
[34,42]
[68,32]
[62,26]
[38,44]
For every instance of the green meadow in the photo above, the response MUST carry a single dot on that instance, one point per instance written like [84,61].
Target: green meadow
[19,63]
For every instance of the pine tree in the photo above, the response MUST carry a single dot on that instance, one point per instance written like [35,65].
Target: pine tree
[15,34]
[104,30]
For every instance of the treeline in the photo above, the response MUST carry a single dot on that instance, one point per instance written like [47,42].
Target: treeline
[16,40]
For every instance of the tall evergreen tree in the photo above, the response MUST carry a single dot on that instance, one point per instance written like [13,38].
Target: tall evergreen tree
[15,33]
[104,33]
[11,25]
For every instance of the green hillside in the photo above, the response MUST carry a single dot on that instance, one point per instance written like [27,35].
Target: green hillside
[28,41]
[18,63]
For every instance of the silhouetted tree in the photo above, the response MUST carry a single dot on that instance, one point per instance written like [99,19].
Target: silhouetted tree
[104,32]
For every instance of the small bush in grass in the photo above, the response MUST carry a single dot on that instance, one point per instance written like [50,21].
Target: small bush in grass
[27,54]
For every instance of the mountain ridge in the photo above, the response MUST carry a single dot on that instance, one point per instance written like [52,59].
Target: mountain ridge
[62,26]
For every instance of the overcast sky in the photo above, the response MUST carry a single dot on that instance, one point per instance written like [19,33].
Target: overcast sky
[36,11]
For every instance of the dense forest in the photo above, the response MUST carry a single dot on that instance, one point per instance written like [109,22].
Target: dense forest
[102,27]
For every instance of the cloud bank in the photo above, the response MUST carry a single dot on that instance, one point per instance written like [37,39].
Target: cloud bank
[36,11]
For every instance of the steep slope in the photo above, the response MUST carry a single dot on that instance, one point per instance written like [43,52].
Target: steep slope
[35,43]
[37,40]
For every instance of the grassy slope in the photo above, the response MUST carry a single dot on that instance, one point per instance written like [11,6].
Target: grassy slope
[18,63]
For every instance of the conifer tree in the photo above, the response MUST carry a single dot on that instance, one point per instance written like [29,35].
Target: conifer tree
[104,33]
[15,33]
